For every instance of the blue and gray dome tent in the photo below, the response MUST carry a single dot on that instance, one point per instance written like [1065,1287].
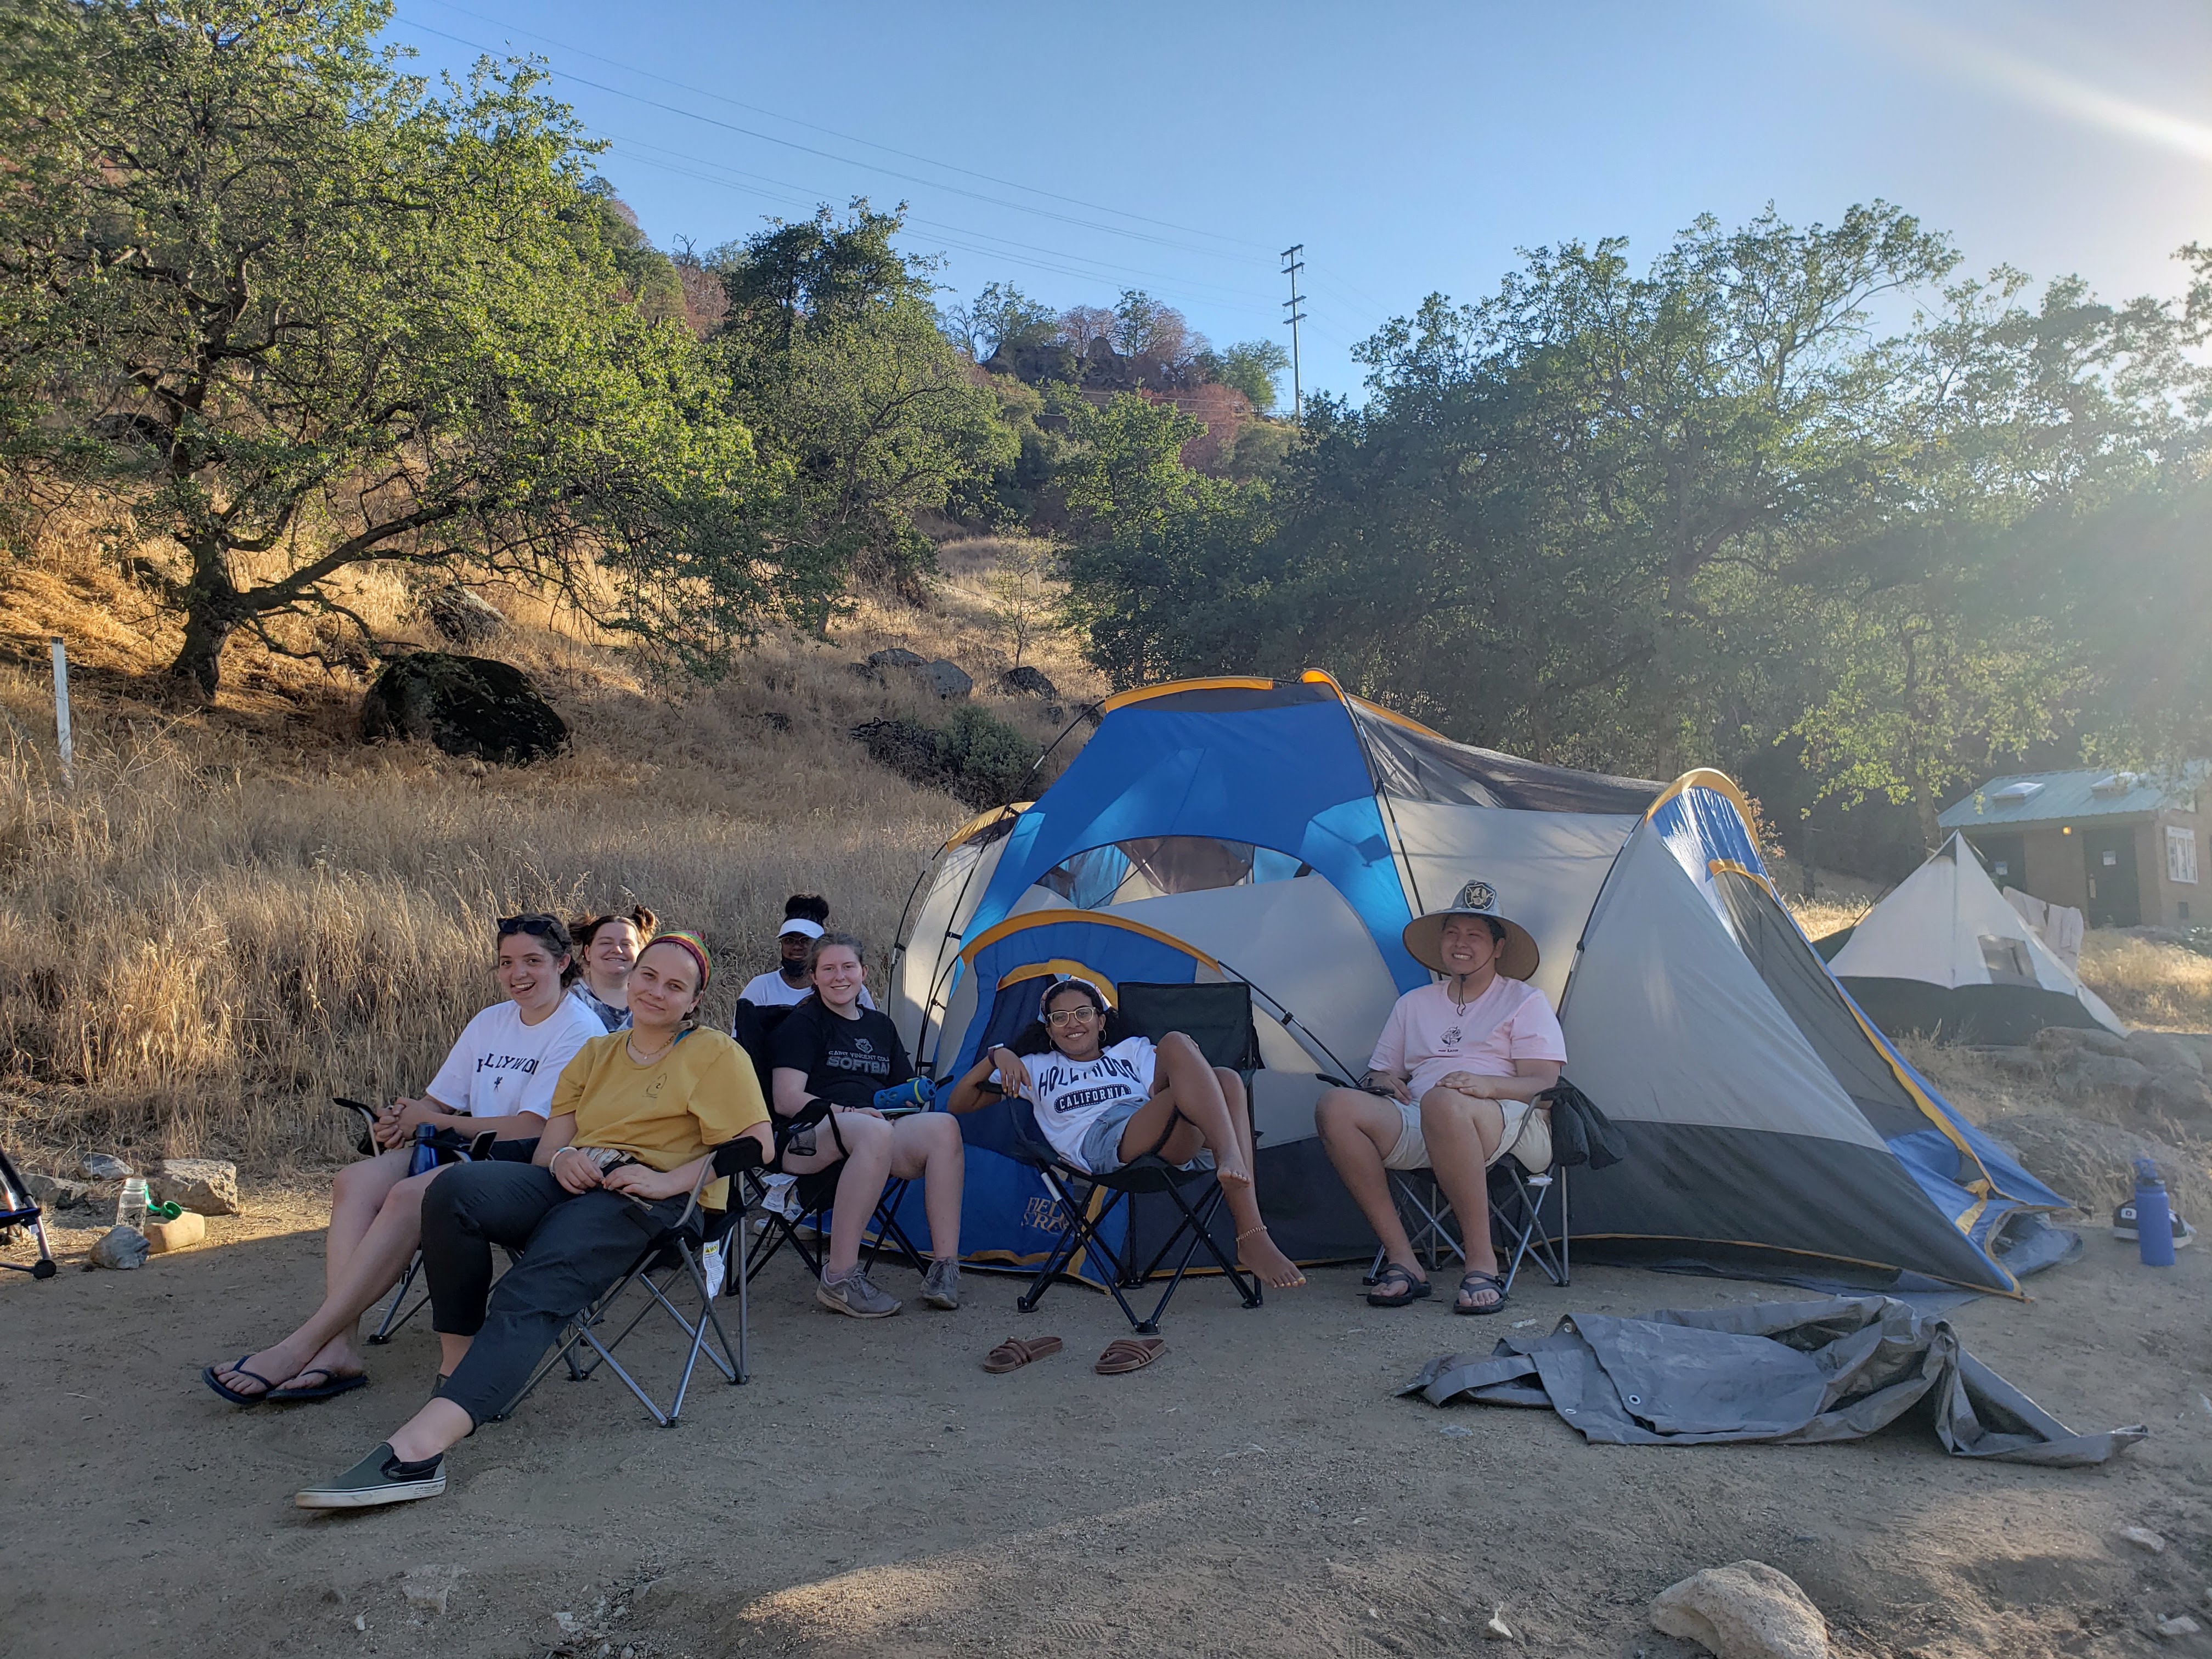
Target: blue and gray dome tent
[1284,833]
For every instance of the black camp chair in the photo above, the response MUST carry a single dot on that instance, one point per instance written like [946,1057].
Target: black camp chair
[673,1270]
[19,1210]
[1519,1231]
[1184,1202]
[754,1027]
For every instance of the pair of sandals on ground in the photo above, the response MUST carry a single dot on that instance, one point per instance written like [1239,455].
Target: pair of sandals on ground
[1121,1356]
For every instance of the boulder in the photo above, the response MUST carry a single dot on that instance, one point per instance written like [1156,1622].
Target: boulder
[947,679]
[2085,1072]
[2163,1052]
[1747,1610]
[462,616]
[2090,1163]
[2019,1061]
[1027,682]
[105,1166]
[2182,1095]
[207,1185]
[468,706]
[190,1228]
[120,1247]
[2066,1039]
[896,657]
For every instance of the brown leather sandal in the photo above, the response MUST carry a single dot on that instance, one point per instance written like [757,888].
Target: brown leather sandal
[1129,1353]
[1017,1352]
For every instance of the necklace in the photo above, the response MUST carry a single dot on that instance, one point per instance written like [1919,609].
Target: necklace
[630,1043]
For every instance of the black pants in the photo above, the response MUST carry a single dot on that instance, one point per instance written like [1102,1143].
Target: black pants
[574,1246]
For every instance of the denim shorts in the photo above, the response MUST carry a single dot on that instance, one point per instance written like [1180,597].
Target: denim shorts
[1102,1141]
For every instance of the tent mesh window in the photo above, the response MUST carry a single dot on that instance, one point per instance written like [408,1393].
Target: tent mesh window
[1153,866]
[2007,960]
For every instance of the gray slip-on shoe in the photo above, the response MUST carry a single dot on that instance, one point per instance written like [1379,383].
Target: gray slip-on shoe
[854,1295]
[940,1287]
[379,1478]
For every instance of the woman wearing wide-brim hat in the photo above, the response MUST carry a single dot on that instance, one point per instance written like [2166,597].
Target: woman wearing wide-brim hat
[1450,1088]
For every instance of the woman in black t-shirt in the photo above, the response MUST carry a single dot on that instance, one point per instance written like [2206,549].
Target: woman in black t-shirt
[830,1057]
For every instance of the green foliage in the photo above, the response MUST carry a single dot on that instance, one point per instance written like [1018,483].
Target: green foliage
[1001,318]
[975,755]
[1254,367]
[304,314]
[834,356]
[1640,520]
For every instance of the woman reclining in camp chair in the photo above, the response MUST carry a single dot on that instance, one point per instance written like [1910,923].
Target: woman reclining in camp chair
[498,1079]
[637,1116]
[1103,1097]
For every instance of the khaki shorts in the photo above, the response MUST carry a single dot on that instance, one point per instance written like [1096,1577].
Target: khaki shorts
[1527,1137]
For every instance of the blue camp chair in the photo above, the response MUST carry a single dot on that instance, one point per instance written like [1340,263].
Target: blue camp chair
[17,1210]
[1162,1207]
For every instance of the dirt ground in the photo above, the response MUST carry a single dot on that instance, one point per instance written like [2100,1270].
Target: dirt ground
[1258,1491]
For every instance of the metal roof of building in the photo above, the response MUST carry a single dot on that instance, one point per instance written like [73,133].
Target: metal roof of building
[2060,796]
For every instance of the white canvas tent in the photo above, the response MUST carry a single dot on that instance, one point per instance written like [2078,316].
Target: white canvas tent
[1944,954]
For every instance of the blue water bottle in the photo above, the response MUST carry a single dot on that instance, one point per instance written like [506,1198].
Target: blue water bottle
[425,1155]
[2154,1219]
[916,1095]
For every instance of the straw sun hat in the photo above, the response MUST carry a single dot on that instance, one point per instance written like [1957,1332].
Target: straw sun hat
[1517,957]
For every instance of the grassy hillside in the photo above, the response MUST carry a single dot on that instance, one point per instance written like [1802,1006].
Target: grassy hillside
[237,912]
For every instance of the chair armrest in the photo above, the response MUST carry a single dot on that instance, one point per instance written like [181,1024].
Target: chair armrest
[731,1156]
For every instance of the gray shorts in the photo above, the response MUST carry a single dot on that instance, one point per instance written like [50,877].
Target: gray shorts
[1102,1141]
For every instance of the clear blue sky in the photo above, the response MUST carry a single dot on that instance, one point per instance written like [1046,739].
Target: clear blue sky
[1410,146]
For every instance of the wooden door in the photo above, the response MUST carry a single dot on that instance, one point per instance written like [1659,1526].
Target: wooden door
[2115,900]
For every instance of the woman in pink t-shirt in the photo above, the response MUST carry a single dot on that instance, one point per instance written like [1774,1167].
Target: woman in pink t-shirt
[1451,1088]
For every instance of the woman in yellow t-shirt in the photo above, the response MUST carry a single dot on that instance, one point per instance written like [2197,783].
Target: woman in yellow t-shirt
[636,1115]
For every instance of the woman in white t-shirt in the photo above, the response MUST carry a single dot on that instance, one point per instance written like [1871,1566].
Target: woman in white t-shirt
[499,1080]
[1103,1097]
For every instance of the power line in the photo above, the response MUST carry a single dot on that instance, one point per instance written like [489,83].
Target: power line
[813,126]
[831,156]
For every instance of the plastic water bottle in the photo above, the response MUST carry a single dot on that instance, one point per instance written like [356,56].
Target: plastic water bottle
[426,1154]
[905,1096]
[130,1206]
[2154,1219]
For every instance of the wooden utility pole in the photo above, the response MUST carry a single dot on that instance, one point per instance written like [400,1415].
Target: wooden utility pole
[1291,266]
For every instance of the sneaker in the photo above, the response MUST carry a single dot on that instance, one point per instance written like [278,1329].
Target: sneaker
[379,1478]
[940,1287]
[2123,1225]
[854,1295]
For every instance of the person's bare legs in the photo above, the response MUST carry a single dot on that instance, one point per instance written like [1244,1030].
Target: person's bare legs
[363,1258]
[1463,1134]
[1210,1101]
[928,1145]
[1359,1130]
[867,1167]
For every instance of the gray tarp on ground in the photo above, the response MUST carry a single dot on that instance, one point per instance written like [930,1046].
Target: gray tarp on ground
[1792,1372]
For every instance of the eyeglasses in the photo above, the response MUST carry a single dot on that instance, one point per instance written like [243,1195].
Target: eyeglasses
[1071,1016]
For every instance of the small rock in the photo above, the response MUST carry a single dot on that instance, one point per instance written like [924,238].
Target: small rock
[1497,1630]
[105,1166]
[2143,1539]
[361,1621]
[463,617]
[1028,681]
[1456,1432]
[190,1228]
[1747,1610]
[1055,712]
[947,679]
[120,1247]
[427,1588]
[566,1622]
[52,1192]
[2180,1624]
[2163,1052]
[209,1185]
[896,657]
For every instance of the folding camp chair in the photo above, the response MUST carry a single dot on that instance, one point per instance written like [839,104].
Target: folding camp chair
[18,1209]
[1218,1019]
[679,1257]
[1518,1231]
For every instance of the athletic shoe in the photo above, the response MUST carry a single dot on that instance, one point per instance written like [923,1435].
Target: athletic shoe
[940,1287]
[2123,1225]
[854,1295]
[379,1478]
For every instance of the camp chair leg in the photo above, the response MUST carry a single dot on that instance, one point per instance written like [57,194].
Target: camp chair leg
[393,1319]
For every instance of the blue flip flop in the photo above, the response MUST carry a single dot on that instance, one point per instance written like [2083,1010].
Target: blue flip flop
[328,1389]
[208,1376]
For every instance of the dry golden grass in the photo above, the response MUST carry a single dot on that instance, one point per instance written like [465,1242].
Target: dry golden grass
[238,912]
[2160,985]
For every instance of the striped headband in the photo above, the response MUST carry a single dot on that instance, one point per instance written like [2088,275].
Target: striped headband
[1097,997]
[698,946]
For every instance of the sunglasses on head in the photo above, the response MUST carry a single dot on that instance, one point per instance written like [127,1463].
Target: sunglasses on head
[536,923]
